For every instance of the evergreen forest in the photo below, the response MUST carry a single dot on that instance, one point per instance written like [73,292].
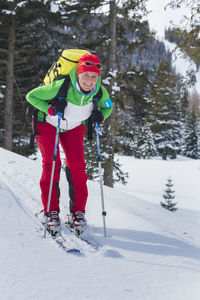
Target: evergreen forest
[154,115]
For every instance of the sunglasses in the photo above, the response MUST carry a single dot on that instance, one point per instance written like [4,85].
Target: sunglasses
[91,64]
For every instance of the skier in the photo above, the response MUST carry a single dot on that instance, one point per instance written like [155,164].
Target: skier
[85,82]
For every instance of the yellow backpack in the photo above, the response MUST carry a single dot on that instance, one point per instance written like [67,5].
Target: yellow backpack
[66,62]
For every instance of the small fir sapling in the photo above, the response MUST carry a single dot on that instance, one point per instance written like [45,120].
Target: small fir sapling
[169,196]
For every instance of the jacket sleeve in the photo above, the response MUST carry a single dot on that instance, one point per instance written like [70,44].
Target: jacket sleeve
[105,104]
[40,96]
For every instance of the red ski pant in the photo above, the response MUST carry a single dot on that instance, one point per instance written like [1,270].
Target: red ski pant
[72,143]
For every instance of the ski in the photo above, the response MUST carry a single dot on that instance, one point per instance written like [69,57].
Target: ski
[84,236]
[61,240]
[88,239]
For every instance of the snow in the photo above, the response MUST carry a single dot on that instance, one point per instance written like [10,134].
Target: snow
[150,253]
[20,4]
[8,12]
[184,172]
[115,87]
[113,73]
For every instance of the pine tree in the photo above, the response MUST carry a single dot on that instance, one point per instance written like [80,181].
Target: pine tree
[112,71]
[144,146]
[188,42]
[26,52]
[112,36]
[8,22]
[169,197]
[124,22]
[186,33]
[165,115]
[191,136]
[192,128]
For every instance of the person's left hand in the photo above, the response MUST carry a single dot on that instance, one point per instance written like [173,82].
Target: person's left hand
[97,116]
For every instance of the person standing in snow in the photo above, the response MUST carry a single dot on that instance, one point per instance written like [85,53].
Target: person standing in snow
[85,82]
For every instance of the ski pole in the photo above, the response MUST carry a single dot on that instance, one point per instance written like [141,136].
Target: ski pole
[101,179]
[52,172]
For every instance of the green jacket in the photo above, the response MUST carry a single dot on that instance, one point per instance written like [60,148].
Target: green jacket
[79,106]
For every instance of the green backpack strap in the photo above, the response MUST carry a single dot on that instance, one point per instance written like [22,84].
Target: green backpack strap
[95,100]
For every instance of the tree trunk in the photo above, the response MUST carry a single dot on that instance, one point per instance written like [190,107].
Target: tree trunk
[112,36]
[109,128]
[9,89]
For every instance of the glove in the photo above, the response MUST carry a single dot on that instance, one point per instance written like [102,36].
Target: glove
[97,116]
[58,107]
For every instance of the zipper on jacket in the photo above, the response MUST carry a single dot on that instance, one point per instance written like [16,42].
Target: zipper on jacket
[82,100]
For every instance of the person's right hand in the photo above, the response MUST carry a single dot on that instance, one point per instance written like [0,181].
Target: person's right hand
[57,108]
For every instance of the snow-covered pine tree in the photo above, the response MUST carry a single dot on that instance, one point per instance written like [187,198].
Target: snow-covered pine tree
[7,49]
[169,196]
[93,29]
[191,136]
[192,128]
[144,146]
[113,30]
[165,115]
[27,44]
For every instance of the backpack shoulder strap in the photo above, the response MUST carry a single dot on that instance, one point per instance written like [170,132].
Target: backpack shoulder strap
[62,93]
[96,98]
[32,136]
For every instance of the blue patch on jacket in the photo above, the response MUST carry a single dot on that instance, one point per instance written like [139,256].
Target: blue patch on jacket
[108,102]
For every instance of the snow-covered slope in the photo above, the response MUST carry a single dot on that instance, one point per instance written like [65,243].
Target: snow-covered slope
[149,253]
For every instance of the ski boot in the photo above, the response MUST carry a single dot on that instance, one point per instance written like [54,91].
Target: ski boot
[53,223]
[76,222]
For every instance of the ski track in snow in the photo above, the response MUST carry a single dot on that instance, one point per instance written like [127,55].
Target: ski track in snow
[149,253]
